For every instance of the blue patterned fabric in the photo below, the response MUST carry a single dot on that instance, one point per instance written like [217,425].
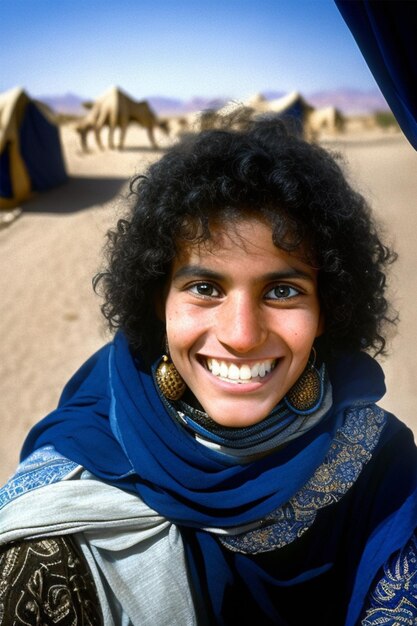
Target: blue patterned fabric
[325,512]
[43,467]
[313,560]
[393,598]
[351,449]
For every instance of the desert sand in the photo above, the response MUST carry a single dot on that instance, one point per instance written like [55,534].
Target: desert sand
[50,317]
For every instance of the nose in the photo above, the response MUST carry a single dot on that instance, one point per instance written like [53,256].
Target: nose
[240,325]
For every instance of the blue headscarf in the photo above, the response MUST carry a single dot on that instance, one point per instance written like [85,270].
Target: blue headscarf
[111,420]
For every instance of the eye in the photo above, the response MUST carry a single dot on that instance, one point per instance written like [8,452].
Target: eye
[205,289]
[282,292]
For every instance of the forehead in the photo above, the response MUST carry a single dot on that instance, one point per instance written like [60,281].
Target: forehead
[247,234]
[248,239]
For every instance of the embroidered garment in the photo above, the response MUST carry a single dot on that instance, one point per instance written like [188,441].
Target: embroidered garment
[301,535]
[314,560]
[47,581]
[393,600]
[352,447]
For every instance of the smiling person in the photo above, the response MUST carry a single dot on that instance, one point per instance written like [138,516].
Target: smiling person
[241,317]
[223,460]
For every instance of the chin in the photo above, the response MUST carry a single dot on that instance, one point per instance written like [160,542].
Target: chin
[237,416]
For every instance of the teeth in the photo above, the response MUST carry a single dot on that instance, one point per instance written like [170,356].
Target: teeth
[245,372]
[224,370]
[234,372]
[242,373]
[254,370]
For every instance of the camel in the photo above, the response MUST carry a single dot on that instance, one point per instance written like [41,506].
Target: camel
[116,109]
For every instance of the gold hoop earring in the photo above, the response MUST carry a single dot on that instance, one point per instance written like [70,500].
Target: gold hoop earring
[168,378]
[306,394]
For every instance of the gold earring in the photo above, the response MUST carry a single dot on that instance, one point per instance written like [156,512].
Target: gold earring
[169,379]
[306,394]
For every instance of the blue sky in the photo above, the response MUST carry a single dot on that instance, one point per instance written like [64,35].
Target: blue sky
[177,48]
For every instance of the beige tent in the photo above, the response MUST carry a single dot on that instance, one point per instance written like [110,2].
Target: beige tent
[30,149]
[293,106]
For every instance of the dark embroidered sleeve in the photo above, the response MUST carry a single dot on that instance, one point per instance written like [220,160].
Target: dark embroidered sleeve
[47,581]
[393,598]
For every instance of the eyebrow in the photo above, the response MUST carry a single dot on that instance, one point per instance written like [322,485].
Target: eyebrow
[189,271]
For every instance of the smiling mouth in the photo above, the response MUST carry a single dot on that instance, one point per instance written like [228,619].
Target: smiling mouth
[245,373]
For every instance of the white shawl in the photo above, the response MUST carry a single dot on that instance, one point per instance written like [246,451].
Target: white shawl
[136,556]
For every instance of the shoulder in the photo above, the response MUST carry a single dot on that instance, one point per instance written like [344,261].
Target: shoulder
[47,581]
[43,467]
[94,372]
[394,456]
[386,485]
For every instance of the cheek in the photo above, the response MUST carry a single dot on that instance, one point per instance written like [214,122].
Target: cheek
[182,329]
[184,318]
[173,315]
[299,332]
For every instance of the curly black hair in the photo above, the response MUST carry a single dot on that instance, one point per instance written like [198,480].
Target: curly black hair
[267,172]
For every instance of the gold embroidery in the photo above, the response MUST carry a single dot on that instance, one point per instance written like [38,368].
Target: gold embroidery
[46,581]
[350,451]
[393,601]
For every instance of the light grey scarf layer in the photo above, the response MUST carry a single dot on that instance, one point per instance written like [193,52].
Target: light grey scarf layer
[136,556]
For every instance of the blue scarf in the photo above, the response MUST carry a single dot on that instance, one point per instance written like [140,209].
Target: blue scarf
[111,420]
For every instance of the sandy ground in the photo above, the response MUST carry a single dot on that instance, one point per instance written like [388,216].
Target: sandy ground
[50,319]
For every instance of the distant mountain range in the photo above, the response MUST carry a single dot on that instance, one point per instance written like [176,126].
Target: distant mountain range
[349,101]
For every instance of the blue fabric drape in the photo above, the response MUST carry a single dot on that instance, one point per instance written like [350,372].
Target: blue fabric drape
[385,31]
[111,420]
[112,401]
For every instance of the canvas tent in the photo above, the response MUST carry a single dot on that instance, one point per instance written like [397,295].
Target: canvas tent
[30,149]
[293,109]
